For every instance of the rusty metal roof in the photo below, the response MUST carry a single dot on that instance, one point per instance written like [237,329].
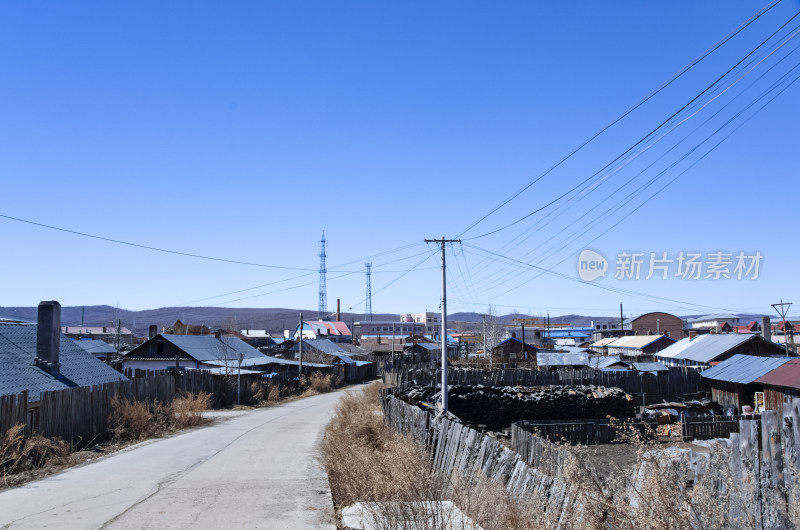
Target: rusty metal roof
[787,375]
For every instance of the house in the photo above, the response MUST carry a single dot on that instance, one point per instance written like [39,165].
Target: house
[38,358]
[100,349]
[386,328]
[105,333]
[335,331]
[179,328]
[556,359]
[193,352]
[655,323]
[732,381]
[709,349]
[256,337]
[751,327]
[781,385]
[512,349]
[637,345]
[601,346]
[324,351]
[713,322]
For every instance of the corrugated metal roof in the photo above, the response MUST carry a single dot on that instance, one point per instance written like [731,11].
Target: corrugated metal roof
[18,372]
[210,348]
[603,342]
[635,342]
[561,359]
[706,348]
[674,349]
[786,375]
[603,362]
[650,367]
[705,318]
[95,346]
[743,369]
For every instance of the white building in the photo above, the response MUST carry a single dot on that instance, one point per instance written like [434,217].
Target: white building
[713,321]
[430,320]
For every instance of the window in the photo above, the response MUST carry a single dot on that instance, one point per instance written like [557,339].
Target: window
[160,348]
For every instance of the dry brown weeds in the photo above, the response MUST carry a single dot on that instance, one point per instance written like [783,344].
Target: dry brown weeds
[20,453]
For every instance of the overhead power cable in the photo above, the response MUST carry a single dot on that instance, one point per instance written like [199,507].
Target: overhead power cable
[628,150]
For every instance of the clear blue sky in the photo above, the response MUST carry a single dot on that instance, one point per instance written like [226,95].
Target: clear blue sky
[241,130]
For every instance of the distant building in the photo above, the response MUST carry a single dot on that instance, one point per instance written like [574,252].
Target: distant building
[552,360]
[431,321]
[638,345]
[655,323]
[322,329]
[513,349]
[38,358]
[100,349]
[105,333]
[165,351]
[713,322]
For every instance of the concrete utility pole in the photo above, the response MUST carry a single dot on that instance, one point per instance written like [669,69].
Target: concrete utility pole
[392,341]
[621,322]
[300,354]
[783,311]
[485,353]
[443,322]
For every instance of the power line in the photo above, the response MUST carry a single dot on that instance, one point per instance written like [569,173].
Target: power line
[628,150]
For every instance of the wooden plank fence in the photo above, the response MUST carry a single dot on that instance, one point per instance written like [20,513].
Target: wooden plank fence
[458,449]
[763,460]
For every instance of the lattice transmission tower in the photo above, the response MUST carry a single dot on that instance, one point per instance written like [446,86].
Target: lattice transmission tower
[323,286]
[368,307]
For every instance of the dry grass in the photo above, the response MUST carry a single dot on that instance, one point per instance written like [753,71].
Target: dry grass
[138,420]
[316,383]
[188,409]
[367,462]
[19,453]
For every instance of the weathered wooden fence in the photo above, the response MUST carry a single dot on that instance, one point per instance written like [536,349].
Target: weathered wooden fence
[709,427]
[584,432]
[677,383]
[763,462]
[13,411]
[81,415]
[458,449]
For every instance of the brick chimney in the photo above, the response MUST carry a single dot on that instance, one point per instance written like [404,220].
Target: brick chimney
[152,331]
[692,335]
[766,328]
[48,337]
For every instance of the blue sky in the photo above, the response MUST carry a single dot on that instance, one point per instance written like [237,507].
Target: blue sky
[243,130]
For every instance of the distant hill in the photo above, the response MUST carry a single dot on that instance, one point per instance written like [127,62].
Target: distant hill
[274,319]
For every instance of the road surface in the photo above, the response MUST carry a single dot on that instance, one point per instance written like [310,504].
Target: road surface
[258,469]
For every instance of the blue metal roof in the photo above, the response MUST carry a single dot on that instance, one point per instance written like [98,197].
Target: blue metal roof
[18,372]
[604,362]
[95,346]
[210,348]
[650,367]
[743,369]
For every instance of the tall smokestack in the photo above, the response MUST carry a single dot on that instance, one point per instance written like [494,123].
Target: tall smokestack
[152,331]
[48,337]
[338,312]
[766,328]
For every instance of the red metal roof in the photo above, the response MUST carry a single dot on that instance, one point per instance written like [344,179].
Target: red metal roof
[787,375]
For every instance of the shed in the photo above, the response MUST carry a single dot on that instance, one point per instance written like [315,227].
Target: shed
[781,385]
[732,381]
[636,345]
[706,349]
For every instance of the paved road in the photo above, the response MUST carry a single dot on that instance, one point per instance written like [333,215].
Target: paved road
[258,469]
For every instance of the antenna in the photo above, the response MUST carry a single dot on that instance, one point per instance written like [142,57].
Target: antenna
[368,307]
[323,287]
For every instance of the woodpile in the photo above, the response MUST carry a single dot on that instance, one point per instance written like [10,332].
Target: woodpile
[497,408]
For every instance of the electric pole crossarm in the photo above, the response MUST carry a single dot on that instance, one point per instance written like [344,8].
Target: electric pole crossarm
[443,321]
